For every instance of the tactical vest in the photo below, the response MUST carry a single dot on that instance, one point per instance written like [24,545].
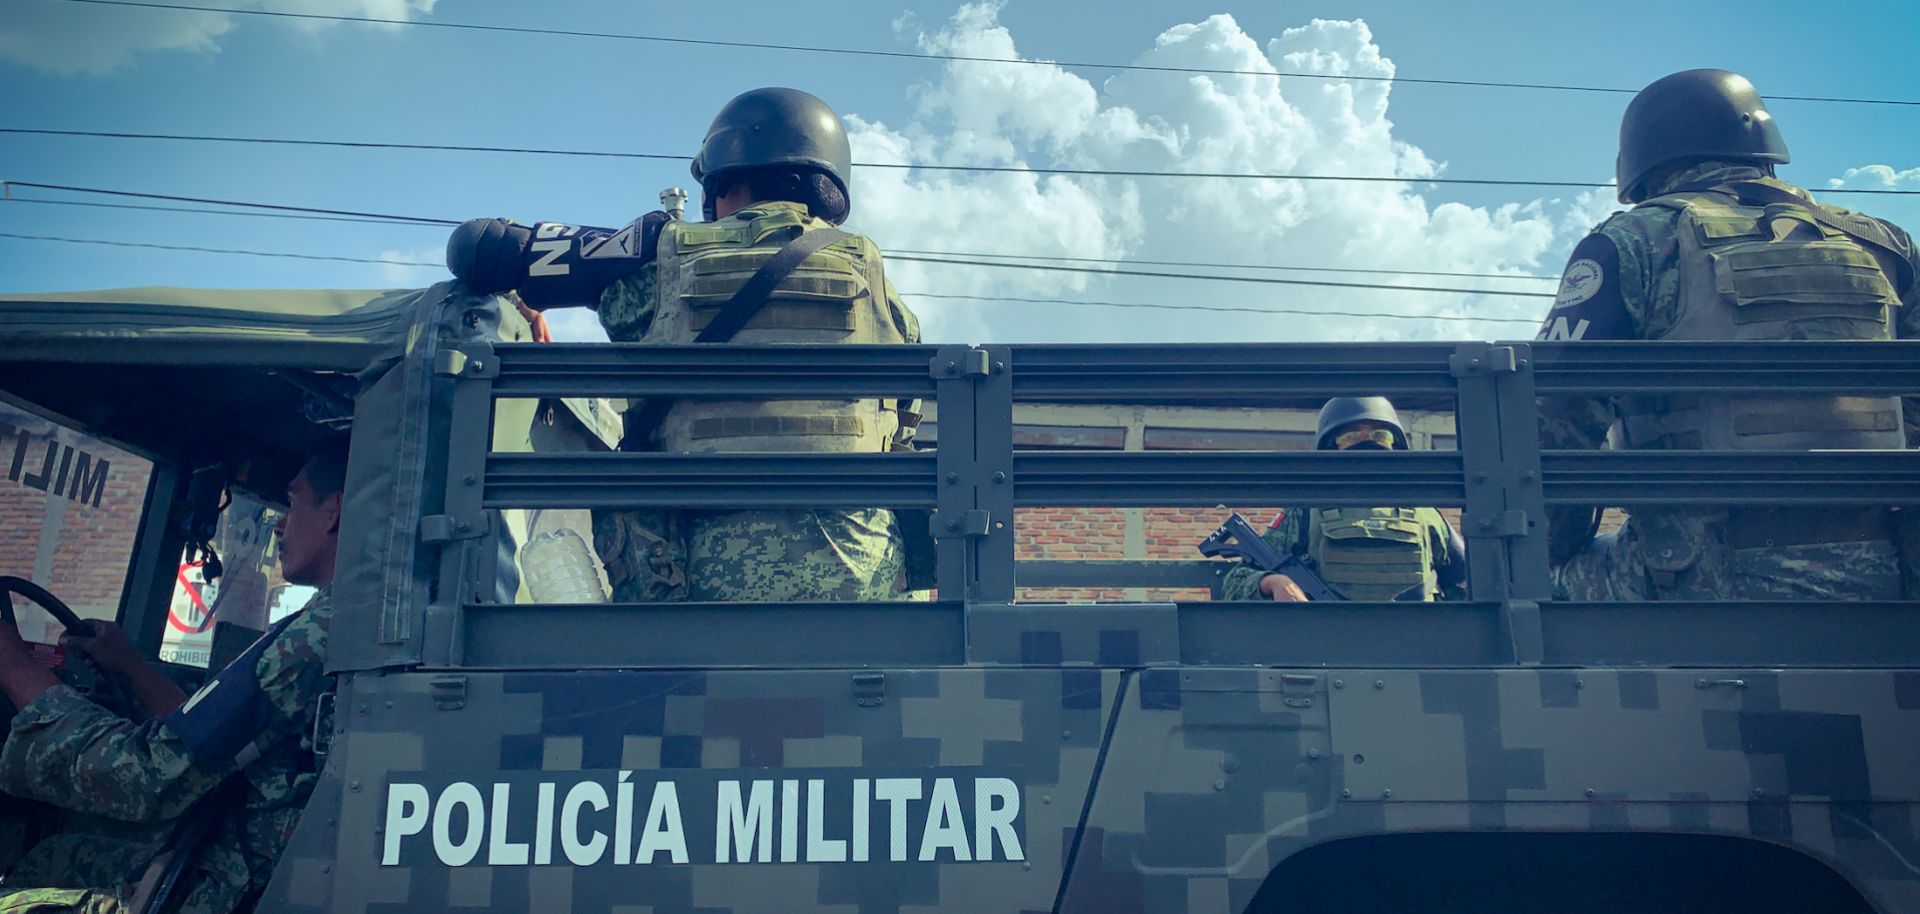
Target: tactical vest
[836,296]
[1758,262]
[1374,553]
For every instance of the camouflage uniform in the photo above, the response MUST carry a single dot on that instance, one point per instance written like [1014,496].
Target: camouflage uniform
[750,555]
[1624,282]
[1291,532]
[70,752]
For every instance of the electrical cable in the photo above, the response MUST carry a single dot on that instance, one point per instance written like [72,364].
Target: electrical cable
[980,169]
[948,259]
[923,55]
[959,254]
[931,295]
[1264,280]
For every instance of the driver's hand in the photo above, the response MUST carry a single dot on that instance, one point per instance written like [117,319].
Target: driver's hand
[13,648]
[1282,589]
[109,646]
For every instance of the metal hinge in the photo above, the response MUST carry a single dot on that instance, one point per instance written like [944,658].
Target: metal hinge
[949,525]
[322,736]
[1491,360]
[444,528]
[449,692]
[869,689]
[472,362]
[1508,525]
[970,364]
[1296,689]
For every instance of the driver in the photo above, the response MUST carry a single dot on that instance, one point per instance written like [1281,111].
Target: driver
[249,727]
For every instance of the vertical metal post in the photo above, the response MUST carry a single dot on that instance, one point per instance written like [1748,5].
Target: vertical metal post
[147,592]
[1527,562]
[1477,425]
[461,527]
[954,464]
[993,478]
[1505,519]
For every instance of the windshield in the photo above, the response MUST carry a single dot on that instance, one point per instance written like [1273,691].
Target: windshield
[248,593]
[71,507]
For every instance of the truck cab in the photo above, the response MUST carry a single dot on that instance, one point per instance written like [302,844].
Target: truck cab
[492,747]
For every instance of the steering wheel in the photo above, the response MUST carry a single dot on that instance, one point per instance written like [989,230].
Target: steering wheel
[30,821]
[79,671]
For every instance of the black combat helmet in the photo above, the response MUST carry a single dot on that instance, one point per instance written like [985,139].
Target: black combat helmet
[775,127]
[1343,411]
[1693,114]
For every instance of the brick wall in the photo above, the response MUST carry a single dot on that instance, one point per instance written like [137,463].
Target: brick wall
[91,544]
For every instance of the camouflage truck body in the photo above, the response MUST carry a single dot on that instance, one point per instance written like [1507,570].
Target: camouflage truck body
[974,753]
[1172,788]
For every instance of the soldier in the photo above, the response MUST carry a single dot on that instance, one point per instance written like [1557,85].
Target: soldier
[1717,248]
[1361,553]
[773,173]
[250,729]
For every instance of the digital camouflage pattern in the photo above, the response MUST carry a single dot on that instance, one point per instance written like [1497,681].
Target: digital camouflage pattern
[70,752]
[1243,581]
[1194,782]
[644,552]
[1698,565]
[1624,282]
[758,555]
[79,872]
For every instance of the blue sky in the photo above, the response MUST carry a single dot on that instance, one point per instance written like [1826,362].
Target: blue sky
[73,66]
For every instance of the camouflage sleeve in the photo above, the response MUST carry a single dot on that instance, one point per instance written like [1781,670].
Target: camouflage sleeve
[904,319]
[1600,298]
[1243,580]
[72,753]
[1907,323]
[626,306]
[1907,327]
[1449,557]
[909,326]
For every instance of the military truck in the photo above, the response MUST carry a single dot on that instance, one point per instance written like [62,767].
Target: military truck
[489,752]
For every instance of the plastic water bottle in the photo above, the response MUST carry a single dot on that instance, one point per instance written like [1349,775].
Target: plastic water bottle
[559,569]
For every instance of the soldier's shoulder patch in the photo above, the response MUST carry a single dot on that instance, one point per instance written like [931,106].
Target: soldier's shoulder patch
[1279,517]
[1580,282]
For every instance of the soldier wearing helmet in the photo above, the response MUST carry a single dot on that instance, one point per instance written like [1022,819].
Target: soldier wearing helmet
[1361,553]
[1717,248]
[773,173]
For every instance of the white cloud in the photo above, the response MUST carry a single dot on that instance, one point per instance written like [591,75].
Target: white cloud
[401,272]
[1903,211]
[70,38]
[575,325]
[1877,177]
[1045,116]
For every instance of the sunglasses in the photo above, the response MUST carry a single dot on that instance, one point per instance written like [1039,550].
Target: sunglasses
[1381,436]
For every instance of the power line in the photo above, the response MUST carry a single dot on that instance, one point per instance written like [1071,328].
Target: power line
[892,252]
[204,250]
[1264,280]
[962,254]
[210,212]
[981,169]
[1228,309]
[922,55]
[933,295]
[312,210]
[942,257]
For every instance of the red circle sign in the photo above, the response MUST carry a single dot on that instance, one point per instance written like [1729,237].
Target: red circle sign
[199,617]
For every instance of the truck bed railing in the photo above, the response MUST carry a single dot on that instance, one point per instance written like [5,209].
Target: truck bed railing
[974,479]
